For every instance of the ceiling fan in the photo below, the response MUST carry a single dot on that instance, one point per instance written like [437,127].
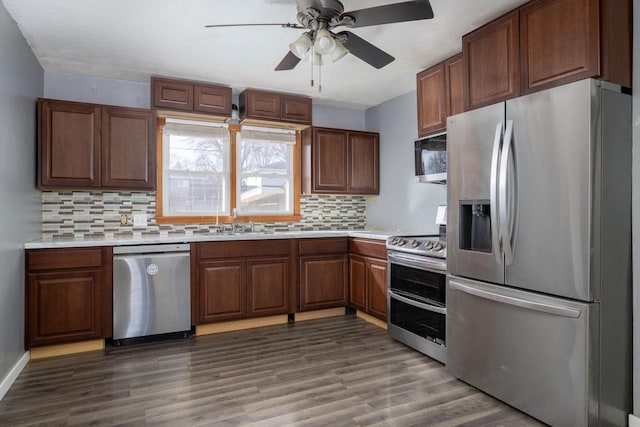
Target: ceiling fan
[320,17]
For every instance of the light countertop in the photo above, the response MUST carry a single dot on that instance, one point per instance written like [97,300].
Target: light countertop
[208,237]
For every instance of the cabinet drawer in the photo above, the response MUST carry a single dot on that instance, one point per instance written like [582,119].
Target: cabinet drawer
[324,246]
[243,249]
[368,247]
[62,259]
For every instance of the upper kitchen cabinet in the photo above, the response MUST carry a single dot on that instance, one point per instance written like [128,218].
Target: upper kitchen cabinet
[87,146]
[440,95]
[454,90]
[562,41]
[190,97]
[432,100]
[128,148]
[258,105]
[68,145]
[337,161]
[491,62]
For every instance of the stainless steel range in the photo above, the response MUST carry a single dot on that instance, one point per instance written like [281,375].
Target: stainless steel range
[416,296]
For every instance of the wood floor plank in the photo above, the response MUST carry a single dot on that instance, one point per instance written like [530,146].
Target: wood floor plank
[337,371]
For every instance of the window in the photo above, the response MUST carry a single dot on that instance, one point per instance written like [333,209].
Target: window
[265,172]
[196,173]
[208,169]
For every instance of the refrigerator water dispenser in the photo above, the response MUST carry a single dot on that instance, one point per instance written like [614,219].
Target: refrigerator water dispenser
[475,225]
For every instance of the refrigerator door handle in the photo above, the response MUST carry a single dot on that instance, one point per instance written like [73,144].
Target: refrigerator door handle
[493,194]
[518,302]
[503,201]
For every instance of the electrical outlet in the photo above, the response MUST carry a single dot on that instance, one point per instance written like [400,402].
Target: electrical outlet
[124,219]
[139,220]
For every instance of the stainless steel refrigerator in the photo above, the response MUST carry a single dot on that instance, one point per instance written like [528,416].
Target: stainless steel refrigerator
[539,253]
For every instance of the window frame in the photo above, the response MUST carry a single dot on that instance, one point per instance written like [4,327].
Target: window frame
[233,182]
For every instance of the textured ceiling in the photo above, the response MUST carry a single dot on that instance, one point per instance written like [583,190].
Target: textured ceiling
[132,40]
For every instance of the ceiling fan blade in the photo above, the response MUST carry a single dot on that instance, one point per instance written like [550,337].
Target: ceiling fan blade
[387,14]
[364,50]
[287,25]
[289,62]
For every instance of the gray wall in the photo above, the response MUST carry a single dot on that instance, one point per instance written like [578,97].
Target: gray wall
[21,82]
[636,207]
[403,203]
[98,90]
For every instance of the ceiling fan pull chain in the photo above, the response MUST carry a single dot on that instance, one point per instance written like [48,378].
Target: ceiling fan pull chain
[319,77]
[311,53]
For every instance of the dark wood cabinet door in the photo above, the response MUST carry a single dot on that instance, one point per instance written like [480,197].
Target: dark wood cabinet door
[377,287]
[212,100]
[296,109]
[364,164]
[453,72]
[559,42]
[323,281]
[329,160]
[64,307]
[358,282]
[492,62]
[261,105]
[172,94]
[128,148]
[267,287]
[222,291]
[68,145]
[432,102]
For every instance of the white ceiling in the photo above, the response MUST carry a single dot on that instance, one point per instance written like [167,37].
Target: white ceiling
[132,40]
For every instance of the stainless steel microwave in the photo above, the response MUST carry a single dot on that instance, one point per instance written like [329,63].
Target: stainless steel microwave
[431,159]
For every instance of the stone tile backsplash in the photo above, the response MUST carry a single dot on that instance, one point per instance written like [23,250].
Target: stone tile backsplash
[80,214]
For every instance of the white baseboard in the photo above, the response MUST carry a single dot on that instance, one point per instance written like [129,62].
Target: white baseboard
[634,421]
[7,382]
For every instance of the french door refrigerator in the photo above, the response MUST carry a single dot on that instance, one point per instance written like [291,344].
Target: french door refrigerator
[539,270]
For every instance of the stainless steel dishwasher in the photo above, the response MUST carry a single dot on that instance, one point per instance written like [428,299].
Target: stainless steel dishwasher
[151,290]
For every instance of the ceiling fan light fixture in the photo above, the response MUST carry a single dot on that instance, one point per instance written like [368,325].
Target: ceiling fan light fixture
[301,46]
[338,52]
[325,43]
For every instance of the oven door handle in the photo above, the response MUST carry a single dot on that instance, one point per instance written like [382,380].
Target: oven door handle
[417,304]
[423,264]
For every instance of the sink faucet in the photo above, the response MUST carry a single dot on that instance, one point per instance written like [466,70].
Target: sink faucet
[234,217]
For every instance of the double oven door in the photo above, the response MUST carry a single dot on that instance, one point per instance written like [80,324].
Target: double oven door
[416,303]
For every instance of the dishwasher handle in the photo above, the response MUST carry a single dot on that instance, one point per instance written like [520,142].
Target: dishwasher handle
[152,249]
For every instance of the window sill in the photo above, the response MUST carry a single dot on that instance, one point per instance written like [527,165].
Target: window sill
[224,219]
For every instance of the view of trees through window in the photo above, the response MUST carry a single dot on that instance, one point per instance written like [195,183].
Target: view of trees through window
[197,176]
[265,171]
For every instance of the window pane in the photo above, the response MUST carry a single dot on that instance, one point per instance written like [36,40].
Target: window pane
[195,170]
[264,157]
[196,154]
[264,195]
[196,193]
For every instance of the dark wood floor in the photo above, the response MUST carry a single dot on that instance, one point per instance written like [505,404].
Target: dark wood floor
[339,371]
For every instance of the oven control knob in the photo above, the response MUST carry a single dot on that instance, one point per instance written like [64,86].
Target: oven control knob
[393,241]
[438,246]
[415,243]
[401,242]
[428,245]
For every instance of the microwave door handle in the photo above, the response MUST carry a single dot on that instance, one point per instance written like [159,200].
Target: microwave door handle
[503,189]
[493,194]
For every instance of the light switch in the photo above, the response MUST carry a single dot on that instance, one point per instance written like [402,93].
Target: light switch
[139,220]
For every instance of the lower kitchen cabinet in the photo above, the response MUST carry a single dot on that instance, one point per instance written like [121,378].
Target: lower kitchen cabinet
[222,291]
[241,279]
[68,295]
[368,276]
[267,287]
[323,273]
